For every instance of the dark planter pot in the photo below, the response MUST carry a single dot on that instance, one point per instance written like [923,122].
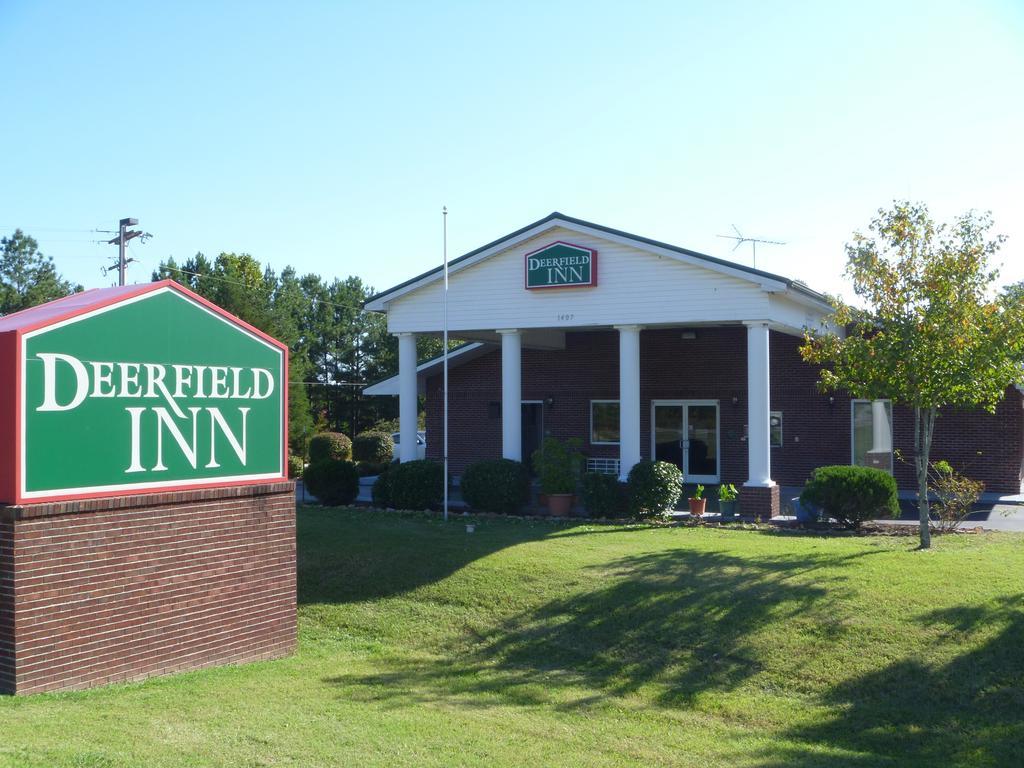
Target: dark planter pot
[805,513]
[697,506]
[560,504]
[727,510]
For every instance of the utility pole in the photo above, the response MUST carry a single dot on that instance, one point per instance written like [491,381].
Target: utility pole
[122,239]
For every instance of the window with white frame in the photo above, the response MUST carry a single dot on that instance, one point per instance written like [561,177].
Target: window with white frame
[871,433]
[604,422]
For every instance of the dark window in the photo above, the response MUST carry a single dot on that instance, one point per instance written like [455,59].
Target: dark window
[604,421]
[775,429]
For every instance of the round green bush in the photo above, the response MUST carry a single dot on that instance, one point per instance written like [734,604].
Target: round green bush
[329,445]
[653,487]
[496,485]
[373,447]
[416,484]
[382,488]
[295,466]
[852,494]
[604,495]
[334,483]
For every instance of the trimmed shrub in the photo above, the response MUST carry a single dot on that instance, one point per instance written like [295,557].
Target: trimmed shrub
[852,494]
[416,484]
[334,483]
[295,466]
[370,469]
[653,487]
[496,485]
[329,445]
[373,447]
[381,491]
[604,495]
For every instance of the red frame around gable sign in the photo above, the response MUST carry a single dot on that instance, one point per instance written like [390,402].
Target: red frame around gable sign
[11,490]
[593,268]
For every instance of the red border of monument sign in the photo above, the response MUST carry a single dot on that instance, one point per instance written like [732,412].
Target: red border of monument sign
[118,299]
[593,268]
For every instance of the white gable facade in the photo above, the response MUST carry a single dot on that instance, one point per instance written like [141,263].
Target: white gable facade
[630,284]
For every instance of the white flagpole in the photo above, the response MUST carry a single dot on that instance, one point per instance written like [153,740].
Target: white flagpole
[445,356]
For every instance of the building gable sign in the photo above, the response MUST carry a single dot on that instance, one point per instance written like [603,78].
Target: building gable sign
[158,391]
[561,265]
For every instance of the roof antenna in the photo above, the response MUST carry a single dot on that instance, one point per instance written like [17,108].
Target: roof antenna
[740,240]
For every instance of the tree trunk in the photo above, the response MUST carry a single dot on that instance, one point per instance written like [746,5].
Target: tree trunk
[924,423]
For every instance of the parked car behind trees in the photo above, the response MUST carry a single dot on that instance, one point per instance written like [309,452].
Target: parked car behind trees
[421,444]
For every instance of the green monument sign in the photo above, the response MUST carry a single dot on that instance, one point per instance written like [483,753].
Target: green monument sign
[138,389]
[561,265]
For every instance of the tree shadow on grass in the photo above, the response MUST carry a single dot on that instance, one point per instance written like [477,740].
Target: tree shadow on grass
[967,712]
[675,623]
[347,555]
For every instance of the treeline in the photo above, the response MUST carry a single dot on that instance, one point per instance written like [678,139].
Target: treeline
[27,277]
[336,348]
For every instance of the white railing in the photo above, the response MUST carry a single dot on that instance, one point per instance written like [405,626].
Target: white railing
[603,466]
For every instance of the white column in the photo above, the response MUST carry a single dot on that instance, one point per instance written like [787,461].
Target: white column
[881,439]
[511,395]
[758,407]
[629,398]
[407,396]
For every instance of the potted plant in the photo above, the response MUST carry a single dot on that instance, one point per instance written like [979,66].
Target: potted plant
[727,495]
[558,465]
[697,501]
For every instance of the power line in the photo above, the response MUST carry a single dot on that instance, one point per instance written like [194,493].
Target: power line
[66,240]
[28,229]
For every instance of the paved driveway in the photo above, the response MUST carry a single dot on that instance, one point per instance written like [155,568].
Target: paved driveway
[995,517]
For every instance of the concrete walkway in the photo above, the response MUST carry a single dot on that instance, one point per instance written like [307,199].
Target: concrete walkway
[993,513]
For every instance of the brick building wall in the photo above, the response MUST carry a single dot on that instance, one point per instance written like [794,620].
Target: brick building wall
[816,431]
[6,605]
[107,590]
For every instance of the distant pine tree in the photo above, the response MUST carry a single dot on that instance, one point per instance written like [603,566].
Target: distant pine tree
[27,277]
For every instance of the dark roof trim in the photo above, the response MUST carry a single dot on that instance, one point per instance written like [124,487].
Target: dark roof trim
[791,284]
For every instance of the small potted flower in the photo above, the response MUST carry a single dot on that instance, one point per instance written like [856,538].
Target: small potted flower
[558,465]
[727,495]
[698,502]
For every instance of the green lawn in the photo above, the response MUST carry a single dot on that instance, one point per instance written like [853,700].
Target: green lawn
[529,643]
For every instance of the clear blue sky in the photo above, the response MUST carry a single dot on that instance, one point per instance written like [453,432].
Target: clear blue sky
[329,135]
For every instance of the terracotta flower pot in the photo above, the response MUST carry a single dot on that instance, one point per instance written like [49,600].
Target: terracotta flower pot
[697,506]
[560,504]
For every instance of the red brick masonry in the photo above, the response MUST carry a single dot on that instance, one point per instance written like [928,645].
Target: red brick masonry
[107,590]
[815,429]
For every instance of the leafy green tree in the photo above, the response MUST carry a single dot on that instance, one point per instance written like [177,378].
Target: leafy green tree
[27,277]
[932,333]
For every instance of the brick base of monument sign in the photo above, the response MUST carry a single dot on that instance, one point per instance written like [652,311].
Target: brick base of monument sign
[107,590]
[759,502]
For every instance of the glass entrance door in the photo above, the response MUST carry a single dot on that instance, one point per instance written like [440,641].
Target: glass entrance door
[685,433]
